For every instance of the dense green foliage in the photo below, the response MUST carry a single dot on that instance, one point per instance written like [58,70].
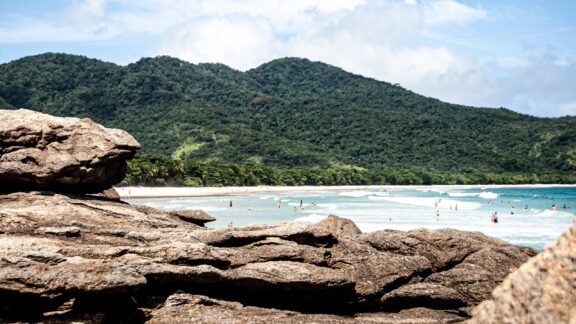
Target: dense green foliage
[289,115]
[152,170]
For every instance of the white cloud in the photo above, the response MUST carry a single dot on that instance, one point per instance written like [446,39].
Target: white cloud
[82,10]
[446,11]
[237,41]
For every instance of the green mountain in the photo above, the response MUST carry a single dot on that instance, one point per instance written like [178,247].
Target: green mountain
[288,112]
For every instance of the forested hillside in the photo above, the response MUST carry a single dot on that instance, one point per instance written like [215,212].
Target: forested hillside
[286,113]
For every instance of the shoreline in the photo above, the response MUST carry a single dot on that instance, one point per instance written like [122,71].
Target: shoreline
[173,192]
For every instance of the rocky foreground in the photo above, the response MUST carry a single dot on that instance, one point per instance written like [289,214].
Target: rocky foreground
[68,255]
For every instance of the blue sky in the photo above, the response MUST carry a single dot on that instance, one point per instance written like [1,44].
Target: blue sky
[515,54]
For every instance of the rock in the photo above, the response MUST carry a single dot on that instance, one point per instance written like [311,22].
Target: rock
[187,308]
[339,226]
[64,231]
[543,290]
[276,249]
[39,151]
[469,263]
[375,272]
[301,233]
[198,217]
[109,193]
[67,258]
[424,293]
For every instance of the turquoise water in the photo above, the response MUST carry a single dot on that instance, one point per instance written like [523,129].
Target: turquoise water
[533,225]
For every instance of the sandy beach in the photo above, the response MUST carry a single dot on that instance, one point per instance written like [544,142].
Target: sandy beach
[164,192]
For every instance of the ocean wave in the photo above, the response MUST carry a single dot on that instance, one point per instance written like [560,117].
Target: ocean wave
[430,202]
[484,194]
[463,194]
[550,213]
[269,197]
[356,194]
[312,218]
[441,191]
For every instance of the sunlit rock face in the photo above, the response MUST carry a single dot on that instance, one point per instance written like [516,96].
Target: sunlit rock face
[543,290]
[43,152]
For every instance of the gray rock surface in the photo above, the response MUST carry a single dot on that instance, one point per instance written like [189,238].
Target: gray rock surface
[85,258]
[39,151]
[543,290]
[187,308]
[340,226]
[195,216]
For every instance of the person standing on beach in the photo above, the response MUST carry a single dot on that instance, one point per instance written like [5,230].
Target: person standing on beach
[230,203]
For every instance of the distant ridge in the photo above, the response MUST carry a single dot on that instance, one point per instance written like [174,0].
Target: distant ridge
[288,112]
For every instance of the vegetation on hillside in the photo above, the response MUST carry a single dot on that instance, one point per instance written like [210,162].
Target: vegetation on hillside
[288,114]
[150,170]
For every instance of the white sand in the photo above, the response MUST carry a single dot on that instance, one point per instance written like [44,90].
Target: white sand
[159,192]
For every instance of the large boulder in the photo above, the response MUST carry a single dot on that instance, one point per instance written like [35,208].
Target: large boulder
[39,151]
[543,290]
[340,226]
[66,258]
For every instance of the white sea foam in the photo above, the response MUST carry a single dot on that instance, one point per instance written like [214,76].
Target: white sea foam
[312,218]
[356,194]
[551,213]
[485,195]
[463,194]
[269,197]
[488,195]
[430,202]
[432,190]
